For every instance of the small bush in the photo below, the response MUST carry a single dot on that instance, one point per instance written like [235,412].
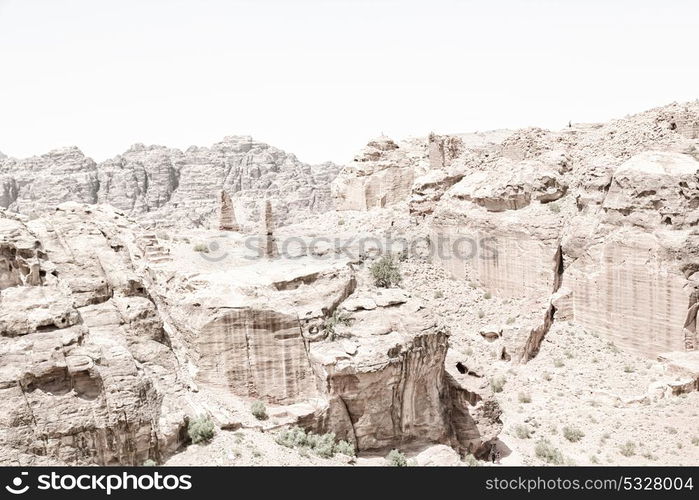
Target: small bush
[497,383]
[259,410]
[386,272]
[547,376]
[338,318]
[524,397]
[294,437]
[629,369]
[345,448]
[438,294]
[323,445]
[396,459]
[487,295]
[471,461]
[341,222]
[523,431]
[628,449]
[572,434]
[511,320]
[149,463]
[200,247]
[695,440]
[554,208]
[200,429]
[481,314]
[558,363]
[548,453]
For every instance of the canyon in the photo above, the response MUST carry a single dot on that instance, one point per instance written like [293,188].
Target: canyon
[549,280]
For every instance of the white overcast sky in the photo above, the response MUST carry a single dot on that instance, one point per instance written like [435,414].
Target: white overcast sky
[319,78]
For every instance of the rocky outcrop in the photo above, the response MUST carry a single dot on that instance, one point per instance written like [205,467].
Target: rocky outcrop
[86,373]
[380,175]
[630,280]
[227,220]
[598,220]
[383,374]
[168,187]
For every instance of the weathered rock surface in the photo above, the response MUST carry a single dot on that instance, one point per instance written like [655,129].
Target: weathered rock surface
[168,187]
[606,211]
[86,375]
[380,175]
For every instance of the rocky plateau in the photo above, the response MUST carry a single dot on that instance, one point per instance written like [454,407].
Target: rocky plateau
[547,300]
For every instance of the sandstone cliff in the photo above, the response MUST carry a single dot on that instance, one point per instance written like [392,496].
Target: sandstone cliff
[601,218]
[165,187]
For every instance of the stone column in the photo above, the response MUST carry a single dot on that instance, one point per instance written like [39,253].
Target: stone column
[227,220]
[270,244]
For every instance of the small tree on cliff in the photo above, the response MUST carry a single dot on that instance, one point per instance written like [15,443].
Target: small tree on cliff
[386,272]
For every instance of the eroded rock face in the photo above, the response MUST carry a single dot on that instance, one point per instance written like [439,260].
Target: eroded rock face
[86,375]
[596,213]
[380,175]
[385,380]
[168,187]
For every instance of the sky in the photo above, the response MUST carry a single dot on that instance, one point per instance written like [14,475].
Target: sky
[320,78]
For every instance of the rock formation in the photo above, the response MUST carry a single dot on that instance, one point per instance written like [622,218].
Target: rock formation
[227,220]
[381,174]
[86,373]
[269,243]
[167,187]
[113,335]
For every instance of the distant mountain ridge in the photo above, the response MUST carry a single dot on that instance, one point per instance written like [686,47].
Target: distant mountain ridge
[163,186]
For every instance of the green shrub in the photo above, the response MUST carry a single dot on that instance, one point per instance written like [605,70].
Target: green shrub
[345,448]
[438,294]
[554,208]
[338,318]
[396,459]
[511,320]
[386,272]
[481,314]
[471,461]
[558,363]
[201,247]
[497,383]
[487,295]
[149,463]
[323,445]
[200,429]
[341,222]
[523,431]
[294,437]
[548,453]
[628,449]
[259,410]
[572,434]
[524,397]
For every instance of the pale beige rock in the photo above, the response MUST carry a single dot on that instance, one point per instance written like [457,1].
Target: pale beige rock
[227,220]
